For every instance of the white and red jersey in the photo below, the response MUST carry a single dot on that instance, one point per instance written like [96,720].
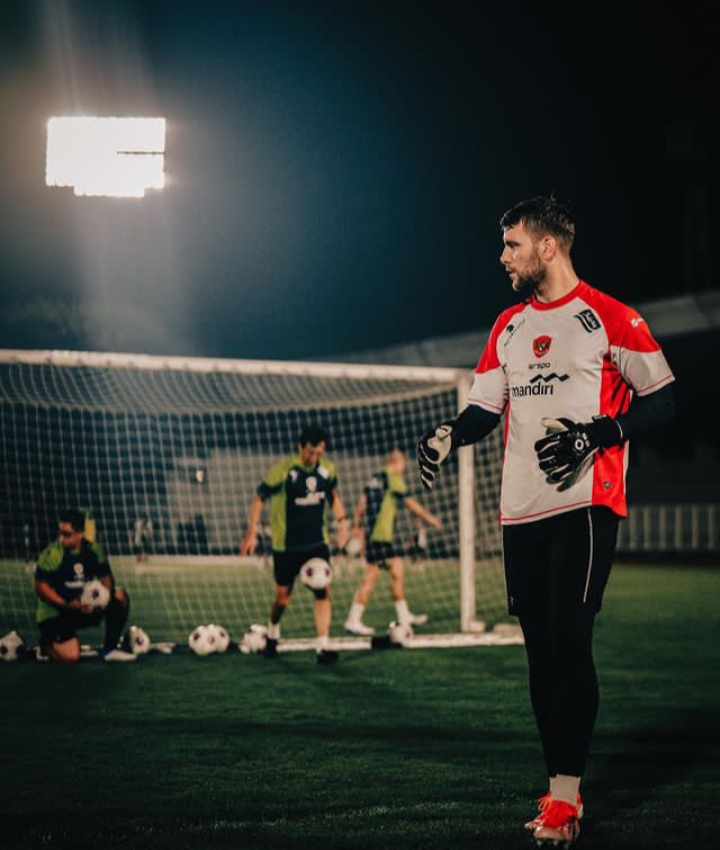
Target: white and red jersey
[580,356]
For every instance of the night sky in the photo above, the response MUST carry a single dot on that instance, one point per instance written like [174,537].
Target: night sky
[336,171]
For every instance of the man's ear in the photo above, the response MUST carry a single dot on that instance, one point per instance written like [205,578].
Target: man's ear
[548,247]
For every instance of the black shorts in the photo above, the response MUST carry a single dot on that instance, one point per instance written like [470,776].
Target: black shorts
[65,626]
[286,565]
[380,553]
[561,561]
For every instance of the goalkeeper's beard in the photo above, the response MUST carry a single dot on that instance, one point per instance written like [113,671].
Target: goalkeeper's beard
[530,282]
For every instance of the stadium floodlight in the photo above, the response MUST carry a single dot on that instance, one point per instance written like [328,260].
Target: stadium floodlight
[110,157]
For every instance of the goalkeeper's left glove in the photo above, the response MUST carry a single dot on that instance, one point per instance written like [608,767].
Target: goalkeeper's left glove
[568,445]
[432,450]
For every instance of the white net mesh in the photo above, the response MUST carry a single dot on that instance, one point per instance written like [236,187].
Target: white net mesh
[186,442]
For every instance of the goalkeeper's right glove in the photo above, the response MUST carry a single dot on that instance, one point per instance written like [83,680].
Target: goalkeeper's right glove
[566,450]
[432,450]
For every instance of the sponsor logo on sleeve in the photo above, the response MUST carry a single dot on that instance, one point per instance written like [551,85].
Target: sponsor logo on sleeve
[588,320]
[510,330]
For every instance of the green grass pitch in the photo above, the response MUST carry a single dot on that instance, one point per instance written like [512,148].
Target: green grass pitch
[405,749]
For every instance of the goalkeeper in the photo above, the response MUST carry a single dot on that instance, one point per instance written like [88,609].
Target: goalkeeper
[299,488]
[577,374]
[62,569]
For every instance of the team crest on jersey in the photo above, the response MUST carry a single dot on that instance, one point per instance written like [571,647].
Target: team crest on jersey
[78,580]
[311,483]
[541,345]
[588,320]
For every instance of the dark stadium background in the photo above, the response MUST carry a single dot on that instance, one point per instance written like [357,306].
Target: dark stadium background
[336,171]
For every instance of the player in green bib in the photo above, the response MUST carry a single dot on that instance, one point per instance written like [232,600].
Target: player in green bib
[63,568]
[385,492]
[299,488]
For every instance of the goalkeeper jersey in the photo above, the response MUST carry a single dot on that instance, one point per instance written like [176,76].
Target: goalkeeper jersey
[383,493]
[67,572]
[580,356]
[298,495]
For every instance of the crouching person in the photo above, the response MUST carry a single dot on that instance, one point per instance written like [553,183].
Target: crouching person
[63,570]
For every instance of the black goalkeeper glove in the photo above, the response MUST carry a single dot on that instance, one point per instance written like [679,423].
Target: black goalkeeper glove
[566,451]
[432,450]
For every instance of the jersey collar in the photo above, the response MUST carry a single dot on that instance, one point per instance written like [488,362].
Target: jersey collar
[560,302]
[311,468]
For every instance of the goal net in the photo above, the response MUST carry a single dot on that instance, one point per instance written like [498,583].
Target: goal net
[185,443]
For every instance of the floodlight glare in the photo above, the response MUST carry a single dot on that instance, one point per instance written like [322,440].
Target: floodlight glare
[111,157]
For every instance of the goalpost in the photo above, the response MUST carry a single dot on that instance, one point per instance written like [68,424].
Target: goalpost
[185,442]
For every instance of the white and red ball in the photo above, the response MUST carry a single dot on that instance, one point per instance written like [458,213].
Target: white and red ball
[400,633]
[202,641]
[95,595]
[137,641]
[316,573]
[11,646]
[254,640]
[222,638]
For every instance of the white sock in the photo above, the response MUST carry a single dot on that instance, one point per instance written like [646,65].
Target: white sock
[403,612]
[356,612]
[274,631]
[321,642]
[565,788]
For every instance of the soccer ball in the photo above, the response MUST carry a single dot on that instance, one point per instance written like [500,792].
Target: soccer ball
[137,640]
[202,641]
[11,645]
[316,573]
[254,640]
[222,638]
[95,595]
[400,634]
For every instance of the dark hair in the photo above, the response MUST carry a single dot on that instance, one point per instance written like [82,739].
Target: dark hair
[313,434]
[75,518]
[542,216]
